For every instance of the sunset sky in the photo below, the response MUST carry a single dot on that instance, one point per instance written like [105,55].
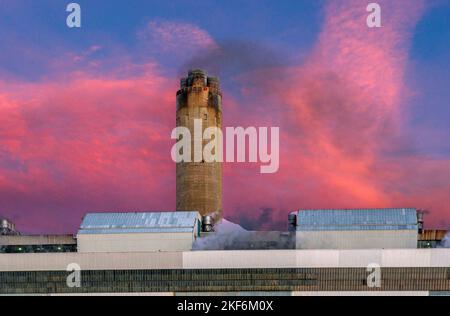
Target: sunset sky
[86,114]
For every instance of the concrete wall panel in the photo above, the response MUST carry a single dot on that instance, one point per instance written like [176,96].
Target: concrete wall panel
[227,259]
[242,259]
[391,239]
[135,242]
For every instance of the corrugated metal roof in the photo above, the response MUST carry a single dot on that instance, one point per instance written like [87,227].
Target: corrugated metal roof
[358,219]
[149,222]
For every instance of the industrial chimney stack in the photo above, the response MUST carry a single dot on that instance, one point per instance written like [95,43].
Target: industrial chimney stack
[199,184]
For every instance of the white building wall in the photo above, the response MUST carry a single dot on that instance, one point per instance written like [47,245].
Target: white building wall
[239,258]
[135,242]
[227,259]
[370,239]
[91,261]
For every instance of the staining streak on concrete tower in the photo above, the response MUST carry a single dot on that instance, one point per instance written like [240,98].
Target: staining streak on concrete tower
[199,184]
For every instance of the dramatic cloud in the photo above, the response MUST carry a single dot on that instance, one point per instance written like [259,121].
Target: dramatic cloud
[90,143]
[342,116]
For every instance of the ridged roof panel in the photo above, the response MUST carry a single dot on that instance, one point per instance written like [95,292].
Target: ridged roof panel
[357,219]
[138,222]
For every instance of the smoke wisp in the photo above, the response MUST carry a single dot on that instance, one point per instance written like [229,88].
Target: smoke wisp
[230,236]
[445,243]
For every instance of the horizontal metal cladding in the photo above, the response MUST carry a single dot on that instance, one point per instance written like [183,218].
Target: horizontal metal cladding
[226,280]
[103,223]
[356,239]
[91,261]
[357,219]
[228,259]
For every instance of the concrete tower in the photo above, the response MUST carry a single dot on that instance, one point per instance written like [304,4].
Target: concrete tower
[199,184]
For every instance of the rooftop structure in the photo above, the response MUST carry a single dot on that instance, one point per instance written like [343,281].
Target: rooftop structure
[7,227]
[356,228]
[128,232]
[431,238]
[107,223]
[357,219]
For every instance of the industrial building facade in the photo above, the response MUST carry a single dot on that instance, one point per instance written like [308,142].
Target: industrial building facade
[229,281]
[282,272]
[153,254]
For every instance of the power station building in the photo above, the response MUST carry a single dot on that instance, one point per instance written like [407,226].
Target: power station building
[152,254]
[199,183]
[256,272]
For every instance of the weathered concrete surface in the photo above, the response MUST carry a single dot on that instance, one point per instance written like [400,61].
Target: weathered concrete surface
[199,184]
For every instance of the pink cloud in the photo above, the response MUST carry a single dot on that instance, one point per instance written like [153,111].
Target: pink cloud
[342,115]
[87,143]
[176,38]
